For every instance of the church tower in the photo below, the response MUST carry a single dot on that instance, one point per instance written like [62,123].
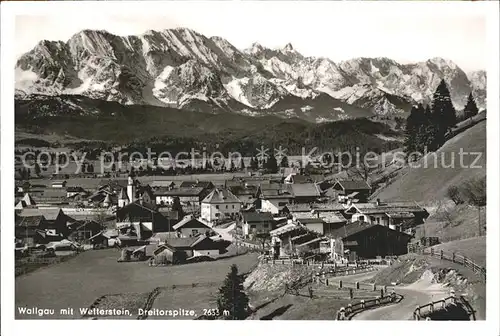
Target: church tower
[131,189]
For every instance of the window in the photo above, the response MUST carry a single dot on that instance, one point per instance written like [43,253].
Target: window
[266,226]
[378,220]
[195,231]
[217,207]
[233,206]
[252,226]
[361,218]
[226,206]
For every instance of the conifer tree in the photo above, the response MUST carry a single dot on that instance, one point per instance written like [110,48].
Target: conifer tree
[470,109]
[232,298]
[443,113]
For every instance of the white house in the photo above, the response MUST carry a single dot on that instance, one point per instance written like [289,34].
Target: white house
[220,204]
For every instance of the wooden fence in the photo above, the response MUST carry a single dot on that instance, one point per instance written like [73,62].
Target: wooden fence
[456,258]
[431,307]
[347,313]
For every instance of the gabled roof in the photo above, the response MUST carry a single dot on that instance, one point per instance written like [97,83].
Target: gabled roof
[253,217]
[221,196]
[28,200]
[190,222]
[305,190]
[49,213]
[353,185]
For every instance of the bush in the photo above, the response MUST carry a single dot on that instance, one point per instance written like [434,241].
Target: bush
[455,194]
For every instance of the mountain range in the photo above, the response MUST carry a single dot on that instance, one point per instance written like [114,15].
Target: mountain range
[183,69]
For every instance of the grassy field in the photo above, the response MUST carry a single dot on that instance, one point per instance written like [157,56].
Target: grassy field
[450,222]
[427,183]
[80,281]
[473,248]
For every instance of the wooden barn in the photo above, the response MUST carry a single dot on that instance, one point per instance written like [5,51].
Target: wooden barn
[368,240]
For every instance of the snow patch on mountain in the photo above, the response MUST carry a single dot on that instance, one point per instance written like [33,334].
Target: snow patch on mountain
[235,90]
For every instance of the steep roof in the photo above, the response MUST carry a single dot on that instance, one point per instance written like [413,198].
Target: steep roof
[305,190]
[221,196]
[354,185]
[190,222]
[49,213]
[28,200]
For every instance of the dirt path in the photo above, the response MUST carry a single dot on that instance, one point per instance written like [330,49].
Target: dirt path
[420,292]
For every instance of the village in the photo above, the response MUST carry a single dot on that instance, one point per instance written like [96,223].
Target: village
[288,215]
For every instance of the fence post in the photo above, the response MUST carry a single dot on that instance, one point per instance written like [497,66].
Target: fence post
[349,308]
[363,304]
[431,307]
[453,257]
[340,284]
[341,315]
[453,298]
[432,251]
[416,313]
[441,254]
[351,293]
[326,281]
[283,261]
[385,289]
[381,292]
[357,285]
[374,287]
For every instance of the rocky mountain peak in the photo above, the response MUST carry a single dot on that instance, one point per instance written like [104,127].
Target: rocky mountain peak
[176,65]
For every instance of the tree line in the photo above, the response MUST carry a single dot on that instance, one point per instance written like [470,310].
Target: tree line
[427,126]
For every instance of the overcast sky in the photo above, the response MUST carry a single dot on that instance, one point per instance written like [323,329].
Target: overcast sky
[338,33]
